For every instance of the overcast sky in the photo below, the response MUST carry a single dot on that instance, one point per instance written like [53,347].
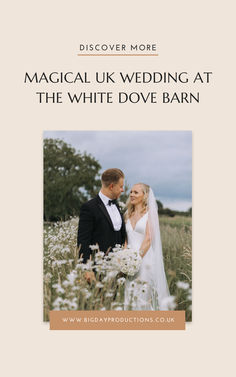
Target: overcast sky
[162,159]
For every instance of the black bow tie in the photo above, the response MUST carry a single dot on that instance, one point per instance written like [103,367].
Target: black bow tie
[110,202]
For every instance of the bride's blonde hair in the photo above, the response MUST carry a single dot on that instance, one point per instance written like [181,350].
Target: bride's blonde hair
[130,207]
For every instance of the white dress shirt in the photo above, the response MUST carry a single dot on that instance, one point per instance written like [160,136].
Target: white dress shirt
[112,211]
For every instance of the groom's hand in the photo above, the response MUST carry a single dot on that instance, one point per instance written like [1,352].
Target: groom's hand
[89,276]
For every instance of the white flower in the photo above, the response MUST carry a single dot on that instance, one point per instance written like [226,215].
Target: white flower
[99,285]
[105,279]
[75,289]
[85,292]
[109,294]
[121,280]
[61,262]
[109,276]
[73,306]
[116,248]
[182,285]
[71,277]
[144,288]
[80,266]
[58,288]
[121,204]
[74,221]
[57,303]
[99,254]
[94,247]
[127,260]
[168,303]
[189,297]
[112,274]
[88,265]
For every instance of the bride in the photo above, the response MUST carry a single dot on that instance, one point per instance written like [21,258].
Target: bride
[148,289]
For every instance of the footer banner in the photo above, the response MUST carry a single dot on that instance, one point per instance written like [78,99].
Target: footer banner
[117,320]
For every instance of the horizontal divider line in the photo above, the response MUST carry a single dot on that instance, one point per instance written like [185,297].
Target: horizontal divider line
[117,54]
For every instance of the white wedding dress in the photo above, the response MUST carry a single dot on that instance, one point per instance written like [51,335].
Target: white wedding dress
[139,293]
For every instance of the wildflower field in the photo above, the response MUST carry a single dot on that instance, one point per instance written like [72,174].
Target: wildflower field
[65,287]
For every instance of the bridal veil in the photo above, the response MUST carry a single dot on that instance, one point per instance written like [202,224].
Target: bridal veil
[161,290]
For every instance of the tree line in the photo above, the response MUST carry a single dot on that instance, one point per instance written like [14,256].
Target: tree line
[71,178]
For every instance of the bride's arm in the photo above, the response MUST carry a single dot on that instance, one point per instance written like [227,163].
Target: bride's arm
[146,242]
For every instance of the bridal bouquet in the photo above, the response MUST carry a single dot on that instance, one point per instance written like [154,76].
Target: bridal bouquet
[127,260]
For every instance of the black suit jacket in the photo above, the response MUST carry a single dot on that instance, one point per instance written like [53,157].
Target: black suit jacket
[95,227]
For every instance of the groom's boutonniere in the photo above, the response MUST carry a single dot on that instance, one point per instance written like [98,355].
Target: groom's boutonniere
[122,207]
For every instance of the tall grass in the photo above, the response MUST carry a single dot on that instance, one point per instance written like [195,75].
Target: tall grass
[176,234]
[66,289]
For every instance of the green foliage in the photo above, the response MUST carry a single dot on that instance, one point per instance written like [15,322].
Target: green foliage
[171,213]
[167,212]
[70,179]
[159,205]
[125,195]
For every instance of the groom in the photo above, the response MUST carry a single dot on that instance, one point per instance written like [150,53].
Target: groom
[100,219]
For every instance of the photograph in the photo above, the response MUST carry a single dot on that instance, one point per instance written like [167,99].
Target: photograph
[117,221]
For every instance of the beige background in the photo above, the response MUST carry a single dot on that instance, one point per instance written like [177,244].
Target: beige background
[192,36]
